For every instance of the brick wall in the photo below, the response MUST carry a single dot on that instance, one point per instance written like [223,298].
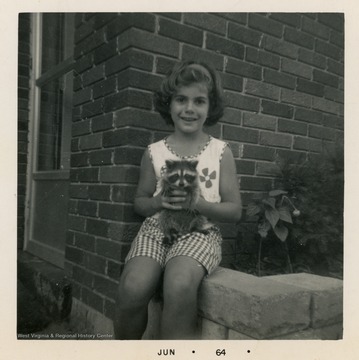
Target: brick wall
[283,79]
[23,118]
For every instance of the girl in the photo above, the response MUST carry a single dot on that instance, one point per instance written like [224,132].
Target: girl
[190,98]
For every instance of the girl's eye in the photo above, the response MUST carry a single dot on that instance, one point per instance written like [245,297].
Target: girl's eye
[200,101]
[180,99]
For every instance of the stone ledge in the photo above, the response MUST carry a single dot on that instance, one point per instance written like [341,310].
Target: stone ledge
[327,296]
[213,331]
[256,307]
[270,307]
[332,332]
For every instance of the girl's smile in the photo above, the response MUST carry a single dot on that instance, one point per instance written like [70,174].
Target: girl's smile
[189,108]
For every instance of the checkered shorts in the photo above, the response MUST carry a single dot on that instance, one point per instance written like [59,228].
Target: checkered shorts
[205,248]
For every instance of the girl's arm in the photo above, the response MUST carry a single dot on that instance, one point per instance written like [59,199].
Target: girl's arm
[147,205]
[230,207]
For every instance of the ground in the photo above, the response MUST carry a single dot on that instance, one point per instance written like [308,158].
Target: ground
[32,317]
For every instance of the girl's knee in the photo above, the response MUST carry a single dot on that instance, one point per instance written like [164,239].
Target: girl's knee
[183,275]
[180,287]
[135,290]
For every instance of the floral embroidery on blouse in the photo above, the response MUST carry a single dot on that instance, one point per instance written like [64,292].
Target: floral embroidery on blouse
[207,177]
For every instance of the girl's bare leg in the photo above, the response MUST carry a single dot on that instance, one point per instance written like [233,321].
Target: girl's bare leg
[182,278]
[138,283]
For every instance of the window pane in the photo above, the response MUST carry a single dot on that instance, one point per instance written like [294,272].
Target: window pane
[50,131]
[52,40]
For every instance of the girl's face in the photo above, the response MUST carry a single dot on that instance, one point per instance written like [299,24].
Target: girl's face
[189,108]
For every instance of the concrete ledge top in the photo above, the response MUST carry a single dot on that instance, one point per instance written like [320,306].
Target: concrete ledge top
[253,285]
[308,281]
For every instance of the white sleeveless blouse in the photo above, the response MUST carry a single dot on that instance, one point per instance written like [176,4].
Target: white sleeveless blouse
[208,167]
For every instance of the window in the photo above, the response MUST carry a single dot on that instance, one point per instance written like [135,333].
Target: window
[51,119]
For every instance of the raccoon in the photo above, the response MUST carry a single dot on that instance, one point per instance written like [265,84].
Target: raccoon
[180,175]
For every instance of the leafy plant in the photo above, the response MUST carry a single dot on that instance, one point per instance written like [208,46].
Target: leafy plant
[273,212]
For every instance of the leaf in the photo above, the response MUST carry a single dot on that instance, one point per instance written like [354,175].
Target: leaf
[281,231]
[270,202]
[272,215]
[284,214]
[253,209]
[277,192]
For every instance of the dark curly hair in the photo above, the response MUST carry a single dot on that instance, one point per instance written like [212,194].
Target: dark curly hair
[184,74]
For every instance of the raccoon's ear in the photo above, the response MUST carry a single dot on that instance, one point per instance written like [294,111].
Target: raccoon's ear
[170,164]
[193,164]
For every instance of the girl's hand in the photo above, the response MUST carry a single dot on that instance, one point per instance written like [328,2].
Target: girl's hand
[173,202]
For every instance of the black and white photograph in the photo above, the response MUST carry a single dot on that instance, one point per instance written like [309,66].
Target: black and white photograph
[181,182]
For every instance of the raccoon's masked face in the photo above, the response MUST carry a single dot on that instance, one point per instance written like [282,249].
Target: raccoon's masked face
[181,174]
